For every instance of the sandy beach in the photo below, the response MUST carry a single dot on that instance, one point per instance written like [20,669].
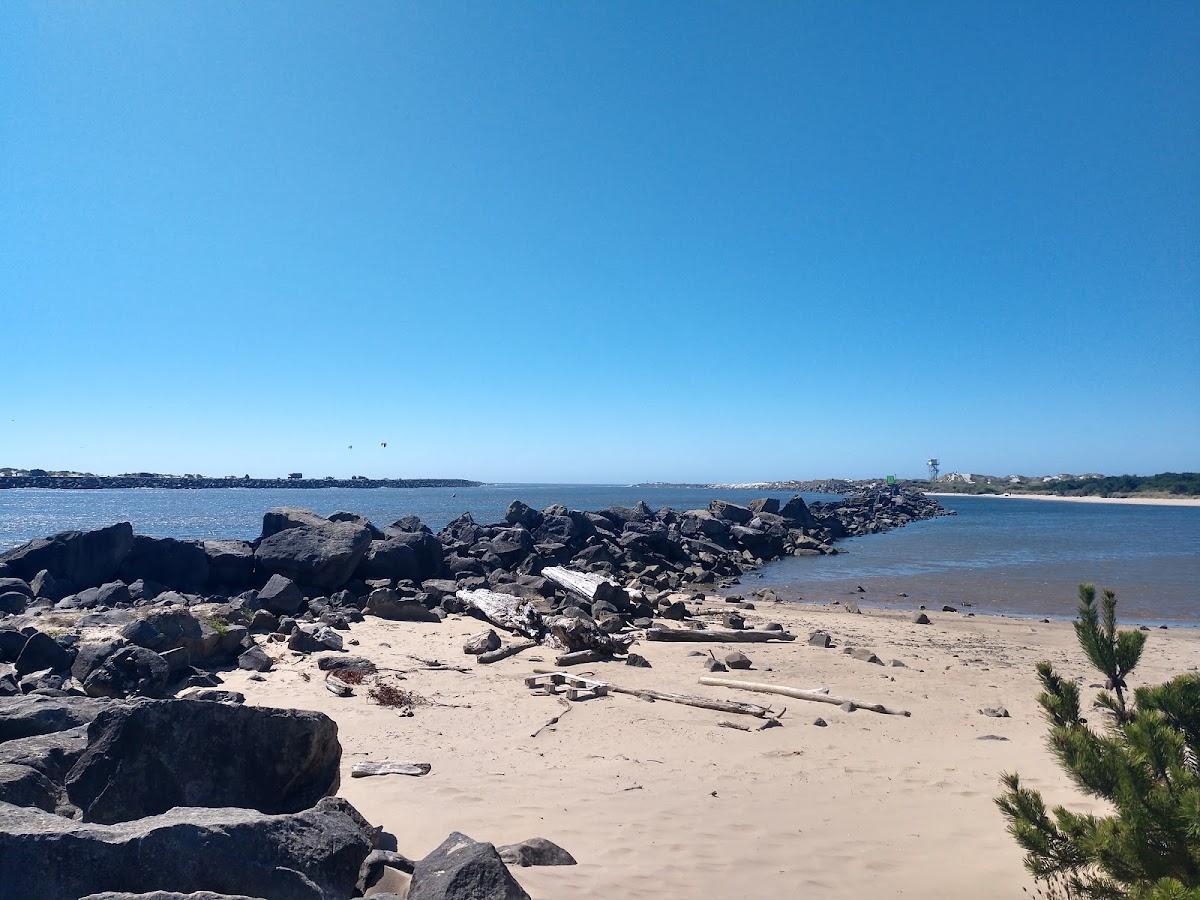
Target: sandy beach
[658,800]
[1128,501]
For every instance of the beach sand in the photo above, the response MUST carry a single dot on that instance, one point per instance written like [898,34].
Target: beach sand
[1129,501]
[656,800]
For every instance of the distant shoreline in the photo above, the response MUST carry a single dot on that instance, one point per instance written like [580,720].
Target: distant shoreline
[100,482]
[1128,501]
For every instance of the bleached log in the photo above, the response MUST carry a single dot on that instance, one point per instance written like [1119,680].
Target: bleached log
[800,694]
[717,635]
[505,652]
[504,611]
[388,767]
[581,656]
[728,706]
[584,584]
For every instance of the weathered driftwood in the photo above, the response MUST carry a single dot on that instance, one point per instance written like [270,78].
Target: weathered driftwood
[728,706]
[504,611]
[717,635]
[505,652]
[388,767]
[801,694]
[583,584]
[335,685]
[581,656]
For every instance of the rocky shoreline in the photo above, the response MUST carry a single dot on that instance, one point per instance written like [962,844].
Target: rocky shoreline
[185,483]
[119,745]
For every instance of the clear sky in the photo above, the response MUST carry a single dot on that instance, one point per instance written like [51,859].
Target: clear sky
[599,241]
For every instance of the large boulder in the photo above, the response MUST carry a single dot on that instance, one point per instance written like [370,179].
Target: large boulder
[22,717]
[730,512]
[147,756]
[283,517]
[178,565]
[797,511]
[463,869]
[427,548]
[392,559]
[230,564]
[320,556]
[387,604]
[311,855]
[13,603]
[42,652]
[74,559]
[129,671]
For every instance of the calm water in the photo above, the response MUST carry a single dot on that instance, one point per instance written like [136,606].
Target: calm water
[1016,556]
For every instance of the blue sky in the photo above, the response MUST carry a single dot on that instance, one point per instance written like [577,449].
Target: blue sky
[599,241]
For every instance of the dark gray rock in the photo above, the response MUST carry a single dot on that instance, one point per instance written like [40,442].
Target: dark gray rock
[230,563]
[18,585]
[74,559]
[24,786]
[730,512]
[427,548]
[255,659]
[280,596]
[22,717]
[129,671]
[391,559]
[463,869]
[323,556]
[635,659]
[387,604]
[820,639]
[177,564]
[91,655]
[147,756]
[311,855]
[13,603]
[737,660]
[46,586]
[920,618]
[42,652]
[535,852]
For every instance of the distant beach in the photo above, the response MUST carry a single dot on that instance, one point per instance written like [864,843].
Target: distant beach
[1128,501]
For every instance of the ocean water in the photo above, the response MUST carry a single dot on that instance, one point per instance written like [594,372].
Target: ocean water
[1014,556]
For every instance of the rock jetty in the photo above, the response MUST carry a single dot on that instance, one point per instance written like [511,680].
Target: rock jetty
[118,745]
[197,482]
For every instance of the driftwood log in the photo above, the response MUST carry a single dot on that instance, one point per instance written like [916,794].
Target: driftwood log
[388,767]
[505,652]
[584,584]
[717,635]
[727,706]
[581,656]
[800,694]
[504,611]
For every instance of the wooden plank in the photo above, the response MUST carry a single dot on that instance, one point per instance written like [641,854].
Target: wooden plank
[505,652]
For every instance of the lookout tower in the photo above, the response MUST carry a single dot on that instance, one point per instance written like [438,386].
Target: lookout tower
[933,469]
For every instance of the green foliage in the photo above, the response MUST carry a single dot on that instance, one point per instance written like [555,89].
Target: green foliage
[218,625]
[1145,763]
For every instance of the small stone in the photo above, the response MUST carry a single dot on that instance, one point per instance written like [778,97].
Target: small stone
[819,722]
[714,665]
[865,655]
[920,618]
[256,660]
[482,643]
[946,608]
[737,660]
[847,707]
[820,639]
[991,737]
[634,659]
[898,664]
[996,712]
[734,621]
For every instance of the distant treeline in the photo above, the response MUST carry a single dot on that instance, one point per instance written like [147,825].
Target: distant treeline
[1174,484]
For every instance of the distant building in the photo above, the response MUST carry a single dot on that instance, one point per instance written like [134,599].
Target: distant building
[295,476]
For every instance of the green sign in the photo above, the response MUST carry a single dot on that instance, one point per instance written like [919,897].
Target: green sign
[891,479]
